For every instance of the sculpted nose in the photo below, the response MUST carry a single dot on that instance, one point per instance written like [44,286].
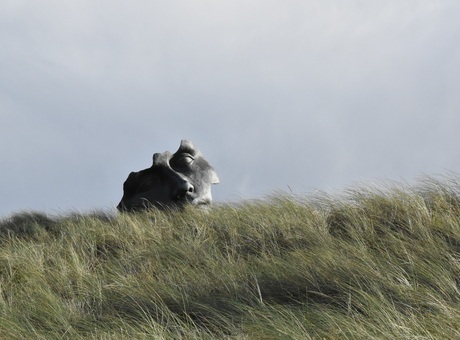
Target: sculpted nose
[183,189]
[186,186]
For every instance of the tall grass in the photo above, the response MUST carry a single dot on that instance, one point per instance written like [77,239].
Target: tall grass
[370,264]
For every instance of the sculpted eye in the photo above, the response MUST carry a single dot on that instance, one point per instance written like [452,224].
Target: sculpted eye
[184,160]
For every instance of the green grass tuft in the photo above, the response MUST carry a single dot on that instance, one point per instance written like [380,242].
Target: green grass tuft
[371,264]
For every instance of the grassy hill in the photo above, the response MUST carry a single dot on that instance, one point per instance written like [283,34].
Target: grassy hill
[369,264]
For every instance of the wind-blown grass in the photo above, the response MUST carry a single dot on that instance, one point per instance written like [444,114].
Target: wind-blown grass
[371,264]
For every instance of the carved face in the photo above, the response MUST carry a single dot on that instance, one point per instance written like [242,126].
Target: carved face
[172,180]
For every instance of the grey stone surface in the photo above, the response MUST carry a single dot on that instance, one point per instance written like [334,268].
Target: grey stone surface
[173,180]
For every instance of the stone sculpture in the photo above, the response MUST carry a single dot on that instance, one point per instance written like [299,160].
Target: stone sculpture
[173,180]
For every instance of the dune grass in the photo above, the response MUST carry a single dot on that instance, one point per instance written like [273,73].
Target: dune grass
[372,263]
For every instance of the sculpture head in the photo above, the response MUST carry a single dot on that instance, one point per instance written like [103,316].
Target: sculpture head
[173,180]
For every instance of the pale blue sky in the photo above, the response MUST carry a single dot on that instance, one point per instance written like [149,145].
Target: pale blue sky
[285,94]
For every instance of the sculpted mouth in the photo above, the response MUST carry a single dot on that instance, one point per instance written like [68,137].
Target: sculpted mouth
[201,201]
[188,198]
[183,197]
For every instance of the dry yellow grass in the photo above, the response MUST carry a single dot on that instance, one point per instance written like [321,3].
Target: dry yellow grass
[370,264]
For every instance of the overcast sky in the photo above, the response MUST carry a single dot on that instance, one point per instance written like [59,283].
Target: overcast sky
[278,95]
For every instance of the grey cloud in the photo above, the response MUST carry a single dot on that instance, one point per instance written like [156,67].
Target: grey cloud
[302,94]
